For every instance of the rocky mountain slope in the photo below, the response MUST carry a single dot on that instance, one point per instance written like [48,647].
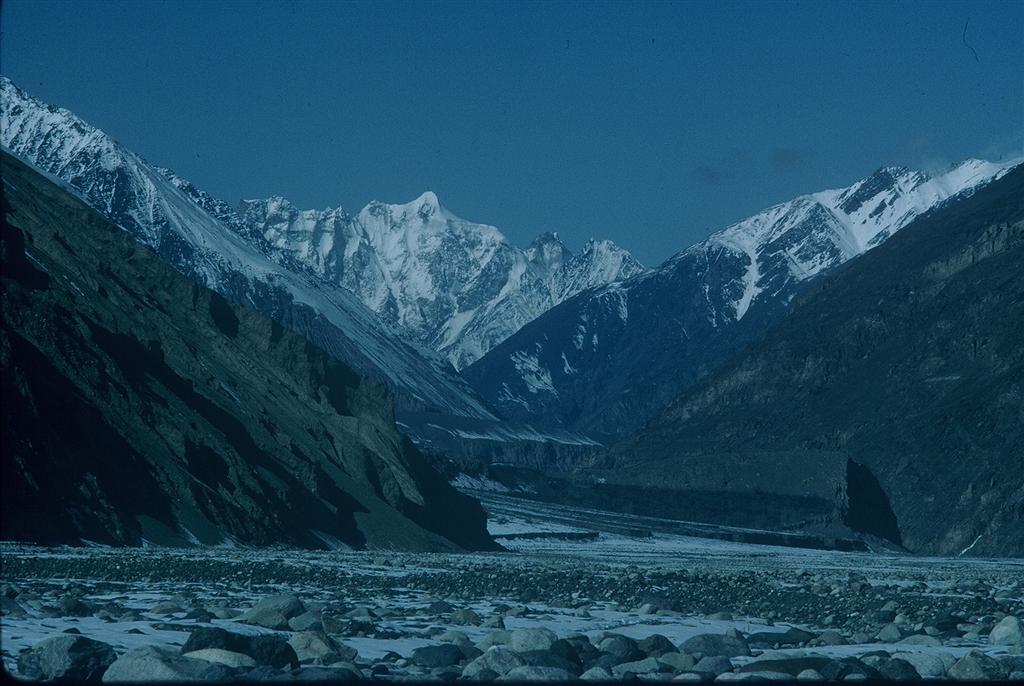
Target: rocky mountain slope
[606,360]
[907,365]
[205,239]
[455,286]
[141,406]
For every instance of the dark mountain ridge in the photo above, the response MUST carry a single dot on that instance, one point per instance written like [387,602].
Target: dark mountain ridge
[907,365]
[140,406]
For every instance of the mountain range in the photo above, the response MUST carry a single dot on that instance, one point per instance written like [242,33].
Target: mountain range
[454,286]
[897,382]
[606,360]
[141,407]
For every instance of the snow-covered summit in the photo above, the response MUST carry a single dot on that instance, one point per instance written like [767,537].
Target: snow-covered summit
[209,241]
[453,285]
[604,361]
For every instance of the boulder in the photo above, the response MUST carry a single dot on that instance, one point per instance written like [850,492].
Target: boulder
[678,662]
[656,645]
[713,664]
[66,658]
[648,665]
[925,664]
[274,612]
[890,633]
[445,655]
[212,637]
[716,644]
[790,665]
[497,659]
[525,640]
[273,651]
[1007,632]
[976,666]
[547,658]
[316,646]
[809,675]
[623,648]
[895,669]
[153,663]
[597,674]
[307,621]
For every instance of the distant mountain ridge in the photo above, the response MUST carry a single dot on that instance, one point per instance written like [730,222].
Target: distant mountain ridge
[606,360]
[205,239]
[907,365]
[455,286]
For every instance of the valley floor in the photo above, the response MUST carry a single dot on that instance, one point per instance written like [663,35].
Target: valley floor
[789,611]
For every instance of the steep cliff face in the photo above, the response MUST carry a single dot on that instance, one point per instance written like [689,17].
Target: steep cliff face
[907,362]
[141,406]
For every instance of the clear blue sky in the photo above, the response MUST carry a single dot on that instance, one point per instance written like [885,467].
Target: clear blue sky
[650,124]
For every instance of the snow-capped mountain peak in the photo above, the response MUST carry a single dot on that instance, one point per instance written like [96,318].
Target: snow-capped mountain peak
[210,242]
[612,356]
[456,286]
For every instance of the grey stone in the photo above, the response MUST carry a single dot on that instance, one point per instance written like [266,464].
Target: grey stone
[716,644]
[307,621]
[66,658]
[890,633]
[895,669]
[274,612]
[679,662]
[926,664]
[790,665]
[713,664]
[497,659]
[445,655]
[153,663]
[597,674]
[976,666]
[809,675]
[655,645]
[524,640]
[316,646]
[1007,632]
[622,647]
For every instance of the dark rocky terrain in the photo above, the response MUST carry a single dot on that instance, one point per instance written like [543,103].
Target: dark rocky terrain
[906,365]
[141,406]
[700,612]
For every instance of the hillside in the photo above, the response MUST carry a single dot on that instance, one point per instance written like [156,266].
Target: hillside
[907,363]
[142,407]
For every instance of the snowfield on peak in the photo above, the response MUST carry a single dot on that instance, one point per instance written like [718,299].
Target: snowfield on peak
[455,286]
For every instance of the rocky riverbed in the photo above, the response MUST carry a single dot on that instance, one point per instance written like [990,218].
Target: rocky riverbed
[610,608]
